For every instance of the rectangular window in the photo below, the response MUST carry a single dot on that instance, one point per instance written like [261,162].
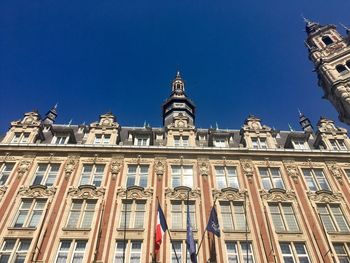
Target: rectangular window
[299,144]
[233,216]
[180,248]
[342,251]
[133,251]
[226,176]
[46,174]
[220,142]
[20,137]
[338,144]
[81,213]
[141,141]
[92,174]
[137,175]
[315,179]
[29,213]
[182,175]
[271,177]
[239,252]
[60,139]
[283,217]
[294,252]
[5,171]
[71,251]
[259,143]
[179,214]
[181,141]
[14,250]
[332,218]
[135,214]
[102,138]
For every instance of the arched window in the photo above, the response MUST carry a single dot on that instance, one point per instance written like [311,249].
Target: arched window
[341,69]
[327,40]
[348,64]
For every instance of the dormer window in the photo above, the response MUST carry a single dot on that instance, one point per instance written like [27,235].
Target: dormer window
[141,141]
[259,143]
[60,139]
[341,69]
[21,137]
[220,142]
[181,141]
[338,144]
[102,139]
[327,40]
[299,144]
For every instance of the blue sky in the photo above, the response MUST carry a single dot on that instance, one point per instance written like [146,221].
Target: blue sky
[237,58]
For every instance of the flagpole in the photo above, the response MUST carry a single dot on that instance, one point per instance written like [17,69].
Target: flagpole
[200,244]
[171,240]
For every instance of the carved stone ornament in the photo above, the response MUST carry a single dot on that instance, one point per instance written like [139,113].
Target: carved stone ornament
[230,194]
[324,196]
[2,190]
[70,165]
[37,191]
[278,195]
[7,158]
[135,192]
[182,193]
[86,192]
[116,166]
[159,167]
[335,170]
[23,167]
[247,168]
[203,167]
[292,170]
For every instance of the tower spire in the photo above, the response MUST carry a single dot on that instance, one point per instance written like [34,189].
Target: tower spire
[178,85]
[51,115]
[310,26]
[305,122]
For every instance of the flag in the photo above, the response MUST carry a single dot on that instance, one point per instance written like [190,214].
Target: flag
[191,246]
[161,227]
[213,223]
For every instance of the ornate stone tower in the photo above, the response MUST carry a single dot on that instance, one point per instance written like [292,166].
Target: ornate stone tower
[178,103]
[330,53]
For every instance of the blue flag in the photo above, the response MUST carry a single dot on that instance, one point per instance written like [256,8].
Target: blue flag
[191,246]
[213,223]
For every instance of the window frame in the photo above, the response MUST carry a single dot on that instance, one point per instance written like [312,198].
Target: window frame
[133,214]
[270,178]
[283,218]
[333,218]
[294,251]
[138,175]
[22,138]
[300,144]
[46,174]
[183,178]
[102,138]
[128,250]
[181,140]
[141,140]
[236,214]
[92,175]
[315,179]
[346,248]
[220,142]
[180,251]
[240,252]
[15,251]
[4,173]
[259,142]
[179,216]
[226,177]
[72,250]
[29,213]
[338,144]
[82,212]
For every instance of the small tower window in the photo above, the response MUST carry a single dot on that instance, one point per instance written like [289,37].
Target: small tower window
[327,40]
[341,69]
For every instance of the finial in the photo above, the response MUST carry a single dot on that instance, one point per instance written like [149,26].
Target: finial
[290,127]
[304,18]
[70,122]
[178,75]
[56,105]
[345,27]
[216,125]
[299,112]
[144,124]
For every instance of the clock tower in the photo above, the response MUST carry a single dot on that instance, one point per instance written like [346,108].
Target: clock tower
[330,53]
[178,103]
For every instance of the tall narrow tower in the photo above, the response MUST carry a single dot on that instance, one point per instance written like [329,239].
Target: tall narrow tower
[330,53]
[178,103]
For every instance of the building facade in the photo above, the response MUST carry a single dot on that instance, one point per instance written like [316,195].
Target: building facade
[330,53]
[75,193]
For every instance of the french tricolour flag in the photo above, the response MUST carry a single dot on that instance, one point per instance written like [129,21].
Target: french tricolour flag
[161,227]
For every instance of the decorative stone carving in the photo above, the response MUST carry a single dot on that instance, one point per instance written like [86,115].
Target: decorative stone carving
[7,158]
[70,165]
[335,170]
[182,193]
[86,192]
[203,166]
[291,169]
[135,192]
[116,166]
[278,195]
[230,194]
[247,168]
[324,196]
[140,160]
[23,167]
[2,190]
[37,191]
[159,166]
